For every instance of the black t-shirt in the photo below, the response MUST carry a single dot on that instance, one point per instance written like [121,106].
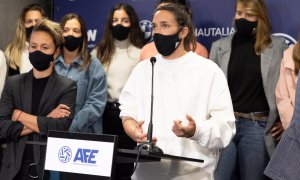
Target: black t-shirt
[38,87]
[244,76]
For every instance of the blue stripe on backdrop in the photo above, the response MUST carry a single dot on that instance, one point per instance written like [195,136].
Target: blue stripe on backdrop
[212,18]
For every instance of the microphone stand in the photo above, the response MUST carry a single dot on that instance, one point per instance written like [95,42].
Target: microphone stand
[149,146]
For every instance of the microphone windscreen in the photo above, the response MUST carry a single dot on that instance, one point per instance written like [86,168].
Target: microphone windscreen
[152,60]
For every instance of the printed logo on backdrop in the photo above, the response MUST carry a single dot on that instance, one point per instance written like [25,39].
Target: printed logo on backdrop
[289,40]
[214,31]
[92,35]
[82,156]
[146,27]
[65,154]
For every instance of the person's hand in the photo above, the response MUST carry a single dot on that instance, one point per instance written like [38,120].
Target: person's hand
[139,136]
[16,115]
[184,131]
[277,130]
[60,111]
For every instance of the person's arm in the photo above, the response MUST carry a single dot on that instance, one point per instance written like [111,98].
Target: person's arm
[94,105]
[217,131]
[26,131]
[9,129]
[283,97]
[134,129]
[44,123]
[40,124]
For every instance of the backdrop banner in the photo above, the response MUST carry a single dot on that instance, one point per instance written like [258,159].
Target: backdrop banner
[213,19]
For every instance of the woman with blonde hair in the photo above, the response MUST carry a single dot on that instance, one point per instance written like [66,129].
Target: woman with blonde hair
[250,58]
[17,50]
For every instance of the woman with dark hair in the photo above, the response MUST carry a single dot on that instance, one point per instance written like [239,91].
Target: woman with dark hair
[150,50]
[26,103]
[76,63]
[250,58]
[17,50]
[192,109]
[119,52]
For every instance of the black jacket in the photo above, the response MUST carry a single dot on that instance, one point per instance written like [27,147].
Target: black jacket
[17,94]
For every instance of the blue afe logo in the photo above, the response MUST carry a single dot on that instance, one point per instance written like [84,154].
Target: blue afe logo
[64,154]
[146,27]
[86,156]
[289,40]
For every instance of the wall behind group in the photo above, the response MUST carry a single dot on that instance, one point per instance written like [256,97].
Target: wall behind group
[10,11]
[212,18]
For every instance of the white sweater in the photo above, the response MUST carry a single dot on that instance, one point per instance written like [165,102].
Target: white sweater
[189,85]
[125,58]
[26,65]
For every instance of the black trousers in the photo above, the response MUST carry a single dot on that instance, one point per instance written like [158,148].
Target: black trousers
[112,124]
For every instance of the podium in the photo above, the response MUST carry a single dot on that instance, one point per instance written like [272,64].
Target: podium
[79,156]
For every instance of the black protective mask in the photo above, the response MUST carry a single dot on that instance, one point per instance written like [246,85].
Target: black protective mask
[29,31]
[245,27]
[40,60]
[166,44]
[72,43]
[120,32]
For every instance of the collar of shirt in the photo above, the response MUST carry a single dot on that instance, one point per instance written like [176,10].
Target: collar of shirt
[77,62]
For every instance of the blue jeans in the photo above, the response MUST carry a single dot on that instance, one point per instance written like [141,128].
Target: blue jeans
[246,157]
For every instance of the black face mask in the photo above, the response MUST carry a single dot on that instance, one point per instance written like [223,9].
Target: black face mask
[166,44]
[245,27]
[120,32]
[40,60]
[72,43]
[29,31]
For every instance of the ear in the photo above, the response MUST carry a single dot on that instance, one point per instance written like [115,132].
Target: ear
[56,53]
[184,32]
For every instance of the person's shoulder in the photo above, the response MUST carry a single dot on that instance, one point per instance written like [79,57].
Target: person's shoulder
[197,59]
[149,46]
[64,81]
[2,59]
[19,78]
[203,65]
[95,61]
[201,50]
[287,59]
[95,67]
[148,50]
[277,40]
[225,39]
[289,50]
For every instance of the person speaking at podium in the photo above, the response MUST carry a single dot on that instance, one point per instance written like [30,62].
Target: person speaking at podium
[192,110]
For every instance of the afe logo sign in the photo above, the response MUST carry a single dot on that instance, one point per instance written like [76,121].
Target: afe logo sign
[82,156]
[86,156]
[64,154]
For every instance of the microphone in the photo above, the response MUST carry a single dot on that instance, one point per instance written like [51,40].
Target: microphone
[149,146]
[150,126]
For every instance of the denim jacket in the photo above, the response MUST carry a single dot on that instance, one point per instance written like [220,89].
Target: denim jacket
[91,93]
